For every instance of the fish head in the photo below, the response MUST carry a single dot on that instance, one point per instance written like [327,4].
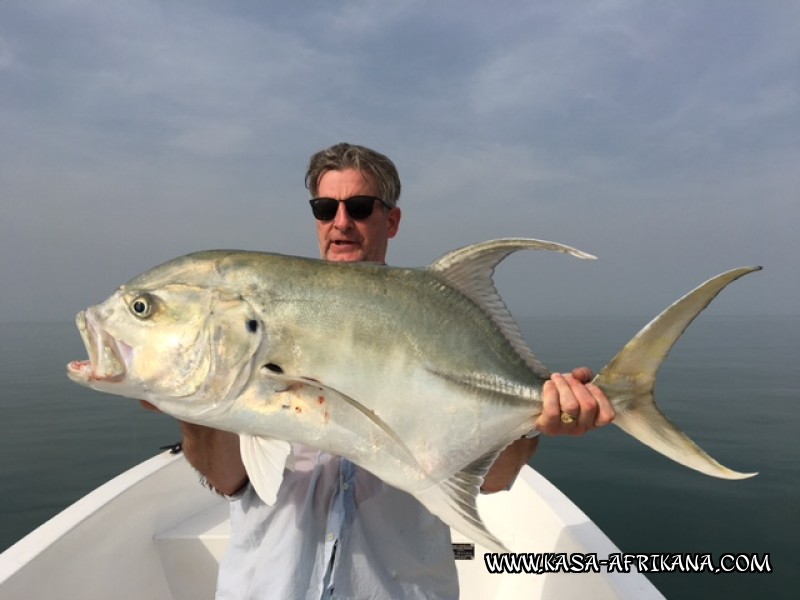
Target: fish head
[185,348]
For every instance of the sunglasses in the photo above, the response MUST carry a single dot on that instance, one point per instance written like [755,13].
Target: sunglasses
[358,207]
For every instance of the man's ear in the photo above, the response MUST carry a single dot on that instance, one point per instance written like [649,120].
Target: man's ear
[394,221]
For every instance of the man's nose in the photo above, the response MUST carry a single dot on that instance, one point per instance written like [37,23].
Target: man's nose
[342,220]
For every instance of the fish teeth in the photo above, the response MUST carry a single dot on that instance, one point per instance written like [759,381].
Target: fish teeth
[104,356]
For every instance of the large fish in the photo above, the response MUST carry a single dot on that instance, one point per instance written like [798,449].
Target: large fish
[420,376]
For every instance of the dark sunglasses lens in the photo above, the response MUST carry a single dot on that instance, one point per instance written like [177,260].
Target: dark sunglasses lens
[324,209]
[358,207]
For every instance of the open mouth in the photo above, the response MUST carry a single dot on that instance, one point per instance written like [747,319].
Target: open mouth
[106,355]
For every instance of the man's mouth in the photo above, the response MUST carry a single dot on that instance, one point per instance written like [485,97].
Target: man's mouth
[343,246]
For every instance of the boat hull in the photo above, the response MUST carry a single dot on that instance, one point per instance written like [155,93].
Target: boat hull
[154,532]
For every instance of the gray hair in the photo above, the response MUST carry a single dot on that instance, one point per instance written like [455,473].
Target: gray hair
[350,156]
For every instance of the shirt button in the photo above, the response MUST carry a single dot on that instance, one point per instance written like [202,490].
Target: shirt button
[329,537]
[346,486]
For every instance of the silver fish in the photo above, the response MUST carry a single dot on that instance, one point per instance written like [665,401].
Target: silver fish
[420,376]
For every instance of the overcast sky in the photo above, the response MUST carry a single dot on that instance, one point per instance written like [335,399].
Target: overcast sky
[662,137]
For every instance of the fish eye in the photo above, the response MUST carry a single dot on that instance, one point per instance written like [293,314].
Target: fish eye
[142,306]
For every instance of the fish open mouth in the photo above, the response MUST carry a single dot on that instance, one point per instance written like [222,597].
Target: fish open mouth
[106,355]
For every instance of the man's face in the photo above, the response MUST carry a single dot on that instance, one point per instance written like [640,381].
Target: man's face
[344,238]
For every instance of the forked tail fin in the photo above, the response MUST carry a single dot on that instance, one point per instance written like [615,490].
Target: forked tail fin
[629,379]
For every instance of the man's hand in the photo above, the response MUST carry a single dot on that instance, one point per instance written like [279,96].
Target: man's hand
[572,395]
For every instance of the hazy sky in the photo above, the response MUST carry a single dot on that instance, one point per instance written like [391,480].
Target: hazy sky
[662,137]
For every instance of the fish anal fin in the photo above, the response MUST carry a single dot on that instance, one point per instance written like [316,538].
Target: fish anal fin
[454,501]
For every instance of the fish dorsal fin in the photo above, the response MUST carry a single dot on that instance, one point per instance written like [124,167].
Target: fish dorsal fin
[264,460]
[454,501]
[470,270]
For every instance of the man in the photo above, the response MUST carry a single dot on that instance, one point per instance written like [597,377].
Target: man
[335,529]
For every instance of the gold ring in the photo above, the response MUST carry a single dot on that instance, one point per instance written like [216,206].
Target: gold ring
[567,418]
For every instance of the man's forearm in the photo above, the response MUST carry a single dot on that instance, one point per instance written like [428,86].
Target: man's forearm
[215,454]
[508,465]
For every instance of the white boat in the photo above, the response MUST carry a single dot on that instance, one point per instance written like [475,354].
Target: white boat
[155,533]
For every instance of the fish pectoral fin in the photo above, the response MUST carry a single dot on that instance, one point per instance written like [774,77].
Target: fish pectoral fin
[454,501]
[264,460]
[325,408]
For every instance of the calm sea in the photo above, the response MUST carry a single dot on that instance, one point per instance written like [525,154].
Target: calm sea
[731,383]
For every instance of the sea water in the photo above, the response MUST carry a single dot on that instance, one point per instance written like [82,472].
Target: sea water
[730,383]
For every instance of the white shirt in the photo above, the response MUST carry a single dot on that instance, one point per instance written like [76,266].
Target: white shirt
[335,532]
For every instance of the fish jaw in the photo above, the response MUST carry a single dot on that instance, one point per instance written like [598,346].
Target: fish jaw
[189,355]
[107,356]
